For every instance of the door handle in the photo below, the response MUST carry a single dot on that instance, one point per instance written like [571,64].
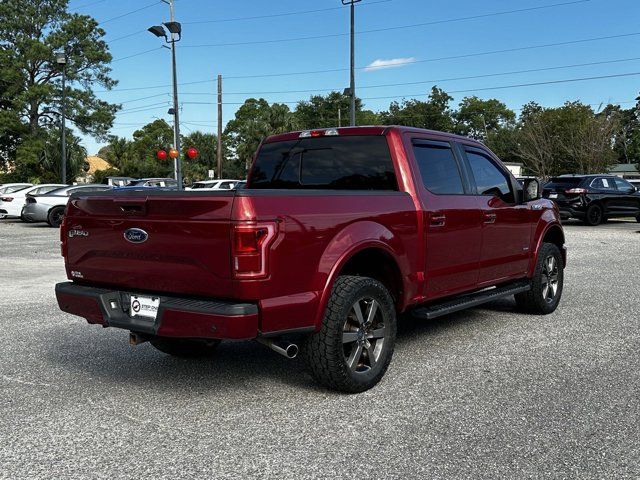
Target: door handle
[437,219]
[489,217]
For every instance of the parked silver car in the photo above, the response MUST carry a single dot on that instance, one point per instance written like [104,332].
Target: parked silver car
[50,207]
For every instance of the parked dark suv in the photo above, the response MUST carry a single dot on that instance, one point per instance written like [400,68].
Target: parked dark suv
[593,198]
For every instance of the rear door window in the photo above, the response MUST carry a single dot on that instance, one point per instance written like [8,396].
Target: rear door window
[438,167]
[339,163]
[602,183]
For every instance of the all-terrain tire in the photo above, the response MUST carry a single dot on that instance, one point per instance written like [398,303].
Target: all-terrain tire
[354,346]
[185,348]
[547,283]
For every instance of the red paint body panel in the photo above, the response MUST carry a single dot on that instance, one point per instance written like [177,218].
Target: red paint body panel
[189,248]
[199,325]
[85,307]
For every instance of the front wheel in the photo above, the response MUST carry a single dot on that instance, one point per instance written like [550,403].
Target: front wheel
[54,219]
[594,215]
[354,346]
[185,348]
[547,282]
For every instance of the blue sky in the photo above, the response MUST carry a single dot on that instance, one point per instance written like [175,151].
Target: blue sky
[215,22]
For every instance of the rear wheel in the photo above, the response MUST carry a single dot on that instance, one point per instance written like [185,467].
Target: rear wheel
[56,214]
[354,346]
[594,215]
[547,282]
[185,348]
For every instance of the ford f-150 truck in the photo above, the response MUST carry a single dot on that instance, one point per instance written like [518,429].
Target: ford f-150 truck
[337,233]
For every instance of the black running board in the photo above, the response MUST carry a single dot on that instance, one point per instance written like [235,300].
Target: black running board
[471,300]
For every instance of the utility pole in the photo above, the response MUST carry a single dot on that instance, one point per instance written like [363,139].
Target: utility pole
[176,110]
[174,29]
[219,126]
[61,59]
[352,87]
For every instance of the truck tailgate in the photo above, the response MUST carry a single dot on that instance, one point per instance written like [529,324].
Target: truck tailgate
[184,246]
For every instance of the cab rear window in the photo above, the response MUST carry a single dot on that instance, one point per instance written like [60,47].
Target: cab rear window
[564,182]
[339,163]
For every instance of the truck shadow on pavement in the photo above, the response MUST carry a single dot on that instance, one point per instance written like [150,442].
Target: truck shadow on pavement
[90,353]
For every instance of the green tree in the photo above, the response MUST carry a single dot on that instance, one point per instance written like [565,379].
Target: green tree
[434,114]
[627,137]
[207,159]
[254,120]
[331,110]
[31,31]
[40,158]
[138,157]
[568,139]
[479,118]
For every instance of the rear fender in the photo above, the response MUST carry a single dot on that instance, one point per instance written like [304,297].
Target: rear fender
[353,239]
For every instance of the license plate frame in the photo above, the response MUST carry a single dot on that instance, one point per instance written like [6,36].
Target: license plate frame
[141,306]
[553,195]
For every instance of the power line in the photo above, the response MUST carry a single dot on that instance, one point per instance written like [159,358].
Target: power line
[361,32]
[143,108]
[422,82]
[313,72]
[386,29]
[136,54]
[284,14]
[451,57]
[237,19]
[85,5]
[501,87]
[129,13]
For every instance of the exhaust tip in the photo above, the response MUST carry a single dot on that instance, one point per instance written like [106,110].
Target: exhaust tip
[292,351]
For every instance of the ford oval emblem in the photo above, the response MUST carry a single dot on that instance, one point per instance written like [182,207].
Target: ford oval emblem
[135,235]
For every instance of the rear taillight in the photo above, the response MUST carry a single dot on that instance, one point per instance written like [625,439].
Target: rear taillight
[576,190]
[7,199]
[250,245]
[63,237]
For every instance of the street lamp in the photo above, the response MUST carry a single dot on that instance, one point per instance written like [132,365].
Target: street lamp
[159,31]
[352,88]
[61,60]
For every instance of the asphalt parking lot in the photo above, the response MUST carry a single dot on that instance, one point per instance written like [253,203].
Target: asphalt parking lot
[486,393]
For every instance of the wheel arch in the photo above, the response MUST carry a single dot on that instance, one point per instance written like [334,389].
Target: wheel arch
[366,249]
[552,233]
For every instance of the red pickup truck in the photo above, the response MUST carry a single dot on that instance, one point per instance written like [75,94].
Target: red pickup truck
[337,233]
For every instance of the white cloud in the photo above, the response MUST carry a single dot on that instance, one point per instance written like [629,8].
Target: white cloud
[391,63]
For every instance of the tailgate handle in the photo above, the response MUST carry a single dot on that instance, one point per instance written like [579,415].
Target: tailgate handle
[132,207]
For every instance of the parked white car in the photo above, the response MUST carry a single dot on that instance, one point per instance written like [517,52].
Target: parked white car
[11,204]
[12,187]
[50,206]
[216,185]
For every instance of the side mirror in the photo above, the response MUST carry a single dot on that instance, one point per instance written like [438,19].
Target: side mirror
[532,190]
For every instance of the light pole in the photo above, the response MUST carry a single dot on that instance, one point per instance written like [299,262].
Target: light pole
[352,87]
[174,29]
[61,59]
